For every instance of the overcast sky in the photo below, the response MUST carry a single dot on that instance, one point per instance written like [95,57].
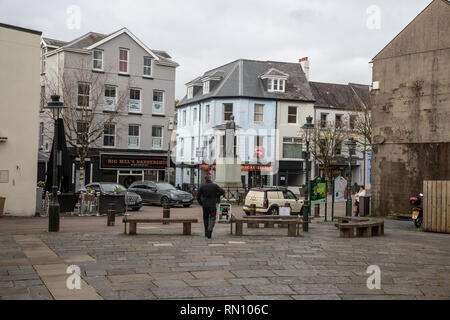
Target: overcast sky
[204,34]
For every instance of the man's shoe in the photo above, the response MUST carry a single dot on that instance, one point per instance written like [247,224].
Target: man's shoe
[208,235]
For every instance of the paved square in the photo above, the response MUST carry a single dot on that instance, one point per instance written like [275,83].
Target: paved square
[159,263]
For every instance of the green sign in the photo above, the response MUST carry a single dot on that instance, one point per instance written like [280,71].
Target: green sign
[318,191]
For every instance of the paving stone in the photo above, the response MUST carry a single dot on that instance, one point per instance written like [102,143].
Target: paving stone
[166,293]
[249,281]
[271,289]
[130,278]
[170,283]
[212,274]
[253,273]
[171,275]
[212,291]
[312,289]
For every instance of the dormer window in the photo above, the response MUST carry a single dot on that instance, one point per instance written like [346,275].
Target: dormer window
[190,92]
[206,87]
[276,85]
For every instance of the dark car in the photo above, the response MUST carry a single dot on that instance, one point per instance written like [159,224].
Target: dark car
[134,200]
[160,192]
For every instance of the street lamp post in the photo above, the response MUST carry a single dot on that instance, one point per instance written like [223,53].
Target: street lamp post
[351,145]
[308,128]
[53,216]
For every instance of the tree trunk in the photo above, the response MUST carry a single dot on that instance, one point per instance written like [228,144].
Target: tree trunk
[81,179]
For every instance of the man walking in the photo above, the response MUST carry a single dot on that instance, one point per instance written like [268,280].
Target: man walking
[207,197]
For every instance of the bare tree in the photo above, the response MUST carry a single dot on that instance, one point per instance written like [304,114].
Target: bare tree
[326,143]
[361,127]
[91,107]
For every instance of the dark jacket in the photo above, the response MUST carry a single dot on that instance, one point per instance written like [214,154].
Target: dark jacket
[209,194]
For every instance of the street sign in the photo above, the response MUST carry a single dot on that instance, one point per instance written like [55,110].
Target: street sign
[318,191]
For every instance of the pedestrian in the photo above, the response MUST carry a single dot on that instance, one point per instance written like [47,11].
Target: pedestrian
[361,193]
[208,196]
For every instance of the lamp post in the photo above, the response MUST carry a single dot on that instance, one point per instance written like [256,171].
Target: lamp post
[53,216]
[351,145]
[308,128]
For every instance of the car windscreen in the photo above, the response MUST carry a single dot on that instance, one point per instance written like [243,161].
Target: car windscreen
[165,187]
[111,187]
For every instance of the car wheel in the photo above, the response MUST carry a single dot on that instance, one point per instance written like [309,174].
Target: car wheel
[164,200]
[273,211]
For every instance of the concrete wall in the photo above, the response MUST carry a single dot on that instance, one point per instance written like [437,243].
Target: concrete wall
[411,110]
[19,118]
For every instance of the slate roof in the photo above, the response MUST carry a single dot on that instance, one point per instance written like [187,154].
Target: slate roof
[241,78]
[351,97]
[54,43]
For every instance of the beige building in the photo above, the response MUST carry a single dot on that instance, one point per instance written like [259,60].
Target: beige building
[411,110]
[19,118]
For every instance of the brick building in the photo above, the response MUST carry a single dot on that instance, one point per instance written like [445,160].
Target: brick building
[411,110]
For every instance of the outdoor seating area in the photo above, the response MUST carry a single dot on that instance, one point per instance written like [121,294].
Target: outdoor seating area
[132,222]
[351,227]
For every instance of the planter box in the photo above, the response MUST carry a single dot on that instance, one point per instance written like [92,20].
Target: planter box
[67,202]
[117,199]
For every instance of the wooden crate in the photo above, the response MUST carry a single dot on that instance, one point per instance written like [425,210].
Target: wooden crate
[436,206]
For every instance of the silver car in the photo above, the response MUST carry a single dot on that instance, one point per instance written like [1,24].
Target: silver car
[161,192]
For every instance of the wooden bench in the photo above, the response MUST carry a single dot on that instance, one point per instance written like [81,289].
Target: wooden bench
[293,224]
[132,230]
[271,224]
[351,227]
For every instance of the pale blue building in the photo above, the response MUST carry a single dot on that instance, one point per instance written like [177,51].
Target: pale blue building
[250,91]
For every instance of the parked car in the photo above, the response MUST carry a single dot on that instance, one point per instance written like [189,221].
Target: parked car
[268,200]
[160,192]
[134,200]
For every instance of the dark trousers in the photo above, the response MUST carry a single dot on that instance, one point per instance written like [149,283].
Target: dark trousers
[209,218]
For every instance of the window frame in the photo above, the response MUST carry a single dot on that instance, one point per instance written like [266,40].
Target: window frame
[96,59]
[323,123]
[225,111]
[161,138]
[104,97]
[293,141]
[206,87]
[138,136]
[109,135]
[181,144]
[146,67]
[127,61]
[84,95]
[140,101]
[207,113]
[184,118]
[280,85]
[260,113]
[190,92]
[163,94]
[289,114]
[194,116]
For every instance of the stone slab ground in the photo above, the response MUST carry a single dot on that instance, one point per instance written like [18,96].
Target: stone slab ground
[160,263]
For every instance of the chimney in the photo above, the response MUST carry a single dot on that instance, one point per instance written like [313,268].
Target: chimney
[304,62]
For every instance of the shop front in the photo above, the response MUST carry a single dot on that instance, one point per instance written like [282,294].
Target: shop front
[252,175]
[290,173]
[126,169]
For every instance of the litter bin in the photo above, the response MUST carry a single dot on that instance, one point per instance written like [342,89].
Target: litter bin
[364,206]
